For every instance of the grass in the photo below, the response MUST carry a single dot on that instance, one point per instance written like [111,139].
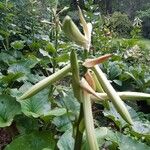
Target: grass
[145,43]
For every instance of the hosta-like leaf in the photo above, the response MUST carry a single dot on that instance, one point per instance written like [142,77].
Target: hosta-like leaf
[66,141]
[37,105]
[44,53]
[7,58]
[23,65]
[11,77]
[114,71]
[18,68]
[50,48]
[26,125]
[62,58]
[33,141]
[18,45]
[101,134]
[71,103]
[115,139]
[124,142]
[62,123]
[1,38]
[9,107]
[56,112]
[139,127]
[114,115]
[34,78]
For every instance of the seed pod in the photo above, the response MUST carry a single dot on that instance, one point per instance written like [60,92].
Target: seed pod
[92,62]
[86,87]
[98,85]
[114,97]
[87,29]
[132,96]
[45,82]
[72,31]
[90,80]
[75,76]
[100,89]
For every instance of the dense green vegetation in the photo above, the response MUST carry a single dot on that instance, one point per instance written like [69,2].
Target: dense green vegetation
[55,94]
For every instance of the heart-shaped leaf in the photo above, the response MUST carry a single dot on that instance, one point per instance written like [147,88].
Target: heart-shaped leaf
[33,141]
[115,139]
[37,105]
[66,141]
[18,45]
[9,107]
[139,127]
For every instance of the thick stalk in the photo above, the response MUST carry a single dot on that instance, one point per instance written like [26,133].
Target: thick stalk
[75,76]
[133,96]
[89,123]
[46,82]
[114,97]
[78,94]
[79,134]
[56,47]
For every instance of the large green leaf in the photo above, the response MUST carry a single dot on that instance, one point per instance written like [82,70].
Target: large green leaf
[50,48]
[66,141]
[23,65]
[26,125]
[33,141]
[114,70]
[9,107]
[62,58]
[62,123]
[101,134]
[18,45]
[54,112]
[71,103]
[44,53]
[37,105]
[34,78]
[7,58]
[125,142]
[116,140]
[114,115]
[139,127]
[11,77]
[72,106]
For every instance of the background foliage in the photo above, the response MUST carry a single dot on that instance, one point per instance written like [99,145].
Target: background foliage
[32,47]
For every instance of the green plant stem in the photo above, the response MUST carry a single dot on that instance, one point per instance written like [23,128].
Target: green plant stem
[85,55]
[133,96]
[79,134]
[89,123]
[56,47]
[7,42]
[78,94]
[46,82]
[75,76]
[114,97]
[4,46]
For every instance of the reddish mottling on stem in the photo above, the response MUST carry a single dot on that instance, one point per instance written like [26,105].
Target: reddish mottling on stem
[92,62]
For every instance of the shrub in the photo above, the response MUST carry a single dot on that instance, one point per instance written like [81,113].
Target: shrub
[121,24]
[145,17]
